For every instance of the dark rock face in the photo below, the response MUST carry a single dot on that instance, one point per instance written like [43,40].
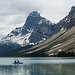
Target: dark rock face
[72,23]
[72,12]
[41,32]
[32,20]
[64,23]
[42,28]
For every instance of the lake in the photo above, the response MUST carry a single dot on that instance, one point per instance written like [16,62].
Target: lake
[38,66]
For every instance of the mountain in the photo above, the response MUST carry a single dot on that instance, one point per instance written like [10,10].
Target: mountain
[62,46]
[59,44]
[34,31]
[40,37]
[64,23]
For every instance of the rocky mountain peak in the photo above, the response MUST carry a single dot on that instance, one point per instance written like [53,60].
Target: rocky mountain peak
[72,12]
[32,20]
[73,8]
[34,14]
[64,23]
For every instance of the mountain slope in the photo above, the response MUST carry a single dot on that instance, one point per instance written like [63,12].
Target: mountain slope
[35,30]
[64,23]
[64,42]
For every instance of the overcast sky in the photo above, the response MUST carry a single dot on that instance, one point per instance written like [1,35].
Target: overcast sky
[13,13]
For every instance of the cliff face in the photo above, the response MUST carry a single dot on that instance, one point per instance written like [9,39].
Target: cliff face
[64,23]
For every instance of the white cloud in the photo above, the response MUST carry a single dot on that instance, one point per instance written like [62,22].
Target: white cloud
[14,19]
[13,13]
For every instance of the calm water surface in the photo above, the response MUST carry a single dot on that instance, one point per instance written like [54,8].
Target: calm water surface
[38,66]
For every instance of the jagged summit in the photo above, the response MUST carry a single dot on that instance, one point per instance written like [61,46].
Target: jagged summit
[34,19]
[64,23]
[34,14]
[73,7]
[72,12]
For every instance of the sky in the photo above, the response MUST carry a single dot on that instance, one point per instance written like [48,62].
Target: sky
[13,13]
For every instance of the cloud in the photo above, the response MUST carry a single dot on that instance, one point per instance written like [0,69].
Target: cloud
[13,13]
[14,19]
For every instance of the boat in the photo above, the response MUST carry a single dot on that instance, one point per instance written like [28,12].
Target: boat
[17,62]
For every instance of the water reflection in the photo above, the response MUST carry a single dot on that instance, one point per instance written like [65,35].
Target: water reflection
[41,69]
[11,70]
[38,66]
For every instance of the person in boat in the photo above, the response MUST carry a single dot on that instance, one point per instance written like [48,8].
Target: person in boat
[14,61]
[18,61]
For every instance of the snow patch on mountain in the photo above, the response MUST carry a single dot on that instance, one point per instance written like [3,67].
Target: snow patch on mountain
[43,39]
[31,43]
[45,21]
[62,28]
[67,20]
[15,32]
[19,39]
